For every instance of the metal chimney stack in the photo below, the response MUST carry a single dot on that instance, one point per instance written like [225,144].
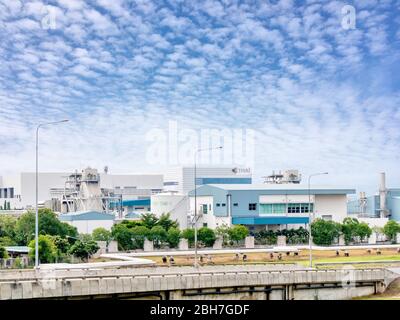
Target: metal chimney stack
[382,196]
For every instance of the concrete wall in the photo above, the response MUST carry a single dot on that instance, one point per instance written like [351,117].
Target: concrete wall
[87,226]
[284,284]
[335,205]
[175,204]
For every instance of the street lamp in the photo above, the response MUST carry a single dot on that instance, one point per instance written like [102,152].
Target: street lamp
[37,189]
[309,213]
[195,200]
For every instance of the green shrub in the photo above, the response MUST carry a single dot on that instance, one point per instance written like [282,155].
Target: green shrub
[189,235]
[138,235]
[47,249]
[3,253]
[206,236]
[173,237]
[238,233]
[391,229]
[158,235]
[122,234]
[324,232]
[84,249]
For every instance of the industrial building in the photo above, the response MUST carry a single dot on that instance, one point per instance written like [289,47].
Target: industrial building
[87,221]
[267,206]
[384,205]
[77,191]
[181,179]
[177,205]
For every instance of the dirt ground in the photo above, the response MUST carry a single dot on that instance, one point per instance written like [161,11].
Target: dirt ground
[302,257]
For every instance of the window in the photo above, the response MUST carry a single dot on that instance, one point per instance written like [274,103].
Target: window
[294,208]
[299,208]
[204,210]
[218,204]
[223,204]
[252,206]
[204,224]
[265,208]
[272,208]
[235,204]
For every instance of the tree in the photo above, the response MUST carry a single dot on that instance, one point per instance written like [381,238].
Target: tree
[166,222]
[48,224]
[25,228]
[149,220]
[138,235]
[349,229]
[206,236]
[123,235]
[189,235]
[363,230]
[102,234]
[158,235]
[324,232]
[131,224]
[3,253]
[7,242]
[47,249]
[238,233]
[391,229]
[173,237]
[223,232]
[84,249]
[7,226]
[62,246]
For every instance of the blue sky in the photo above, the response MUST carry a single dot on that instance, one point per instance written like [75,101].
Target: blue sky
[319,97]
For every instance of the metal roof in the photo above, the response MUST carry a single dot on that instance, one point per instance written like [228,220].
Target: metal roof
[86,215]
[17,249]
[281,188]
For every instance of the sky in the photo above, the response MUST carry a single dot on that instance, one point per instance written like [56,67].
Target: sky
[311,85]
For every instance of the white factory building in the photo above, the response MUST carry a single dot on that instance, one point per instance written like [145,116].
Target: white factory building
[19,190]
[181,179]
[268,206]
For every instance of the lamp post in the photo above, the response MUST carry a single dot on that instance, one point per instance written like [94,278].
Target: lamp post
[309,213]
[37,189]
[195,200]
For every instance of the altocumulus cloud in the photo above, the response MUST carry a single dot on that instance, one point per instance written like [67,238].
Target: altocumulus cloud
[319,96]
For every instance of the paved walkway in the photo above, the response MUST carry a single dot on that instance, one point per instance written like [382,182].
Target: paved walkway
[124,262]
[124,256]
[363,246]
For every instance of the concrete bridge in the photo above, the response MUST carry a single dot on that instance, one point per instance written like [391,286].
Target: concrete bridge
[261,282]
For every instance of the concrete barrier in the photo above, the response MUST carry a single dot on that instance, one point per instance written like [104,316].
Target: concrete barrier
[72,284]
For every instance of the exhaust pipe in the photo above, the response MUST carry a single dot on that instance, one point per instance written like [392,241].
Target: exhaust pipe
[382,196]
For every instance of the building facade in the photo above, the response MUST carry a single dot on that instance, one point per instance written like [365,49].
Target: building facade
[268,207]
[371,206]
[18,191]
[87,221]
[177,205]
[181,179]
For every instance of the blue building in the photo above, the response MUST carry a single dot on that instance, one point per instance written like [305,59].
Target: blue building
[267,206]
[132,206]
[371,206]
